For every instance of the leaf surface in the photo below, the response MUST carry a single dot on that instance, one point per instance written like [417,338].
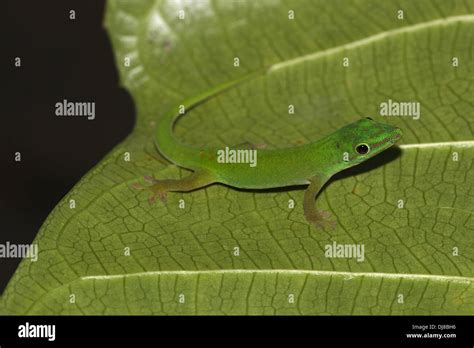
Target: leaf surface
[418,258]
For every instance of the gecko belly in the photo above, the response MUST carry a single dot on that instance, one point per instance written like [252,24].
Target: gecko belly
[259,177]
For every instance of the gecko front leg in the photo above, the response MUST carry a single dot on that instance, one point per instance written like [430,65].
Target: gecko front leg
[319,218]
[160,188]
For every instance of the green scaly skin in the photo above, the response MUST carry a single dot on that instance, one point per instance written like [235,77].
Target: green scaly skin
[311,164]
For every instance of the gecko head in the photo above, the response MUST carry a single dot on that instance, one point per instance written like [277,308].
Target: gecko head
[366,138]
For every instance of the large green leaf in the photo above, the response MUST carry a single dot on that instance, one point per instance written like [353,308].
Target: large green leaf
[418,258]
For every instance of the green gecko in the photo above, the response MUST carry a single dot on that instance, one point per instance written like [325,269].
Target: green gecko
[312,164]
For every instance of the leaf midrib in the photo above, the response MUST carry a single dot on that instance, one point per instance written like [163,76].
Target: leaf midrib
[346,275]
[349,275]
[371,39]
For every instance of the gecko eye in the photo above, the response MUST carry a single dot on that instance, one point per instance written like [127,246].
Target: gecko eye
[362,149]
[369,118]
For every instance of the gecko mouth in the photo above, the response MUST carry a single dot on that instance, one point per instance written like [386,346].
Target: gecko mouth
[389,141]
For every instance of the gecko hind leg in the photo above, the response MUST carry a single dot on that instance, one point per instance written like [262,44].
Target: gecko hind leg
[160,188]
[318,218]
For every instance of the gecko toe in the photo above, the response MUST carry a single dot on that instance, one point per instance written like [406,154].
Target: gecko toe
[320,220]
[151,179]
[163,196]
[157,189]
[325,224]
[323,214]
[137,186]
[152,199]
[157,193]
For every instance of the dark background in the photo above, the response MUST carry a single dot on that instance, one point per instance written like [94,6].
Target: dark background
[60,59]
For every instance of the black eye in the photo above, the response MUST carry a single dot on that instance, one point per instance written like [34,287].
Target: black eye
[362,149]
[369,118]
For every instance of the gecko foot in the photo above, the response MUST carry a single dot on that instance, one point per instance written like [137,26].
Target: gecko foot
[320,219]
[157,188]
